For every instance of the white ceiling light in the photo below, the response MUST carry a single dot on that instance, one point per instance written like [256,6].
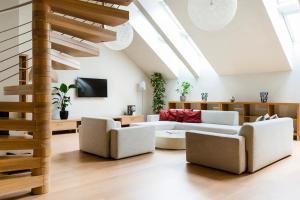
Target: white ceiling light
[124,37]
[211,15]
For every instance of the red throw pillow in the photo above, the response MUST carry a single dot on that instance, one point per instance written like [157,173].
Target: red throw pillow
[172,115]
[163,115]
[192,117]
[180,114]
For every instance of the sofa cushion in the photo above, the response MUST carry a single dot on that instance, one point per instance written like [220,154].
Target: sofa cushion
[159,125]
[192,116]
[172,115]
[164,115]
[220,117]
[215,128]
[180,115]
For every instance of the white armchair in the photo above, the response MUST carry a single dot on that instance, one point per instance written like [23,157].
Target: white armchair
[105,137]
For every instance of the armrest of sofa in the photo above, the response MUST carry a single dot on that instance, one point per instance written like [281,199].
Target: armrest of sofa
[152,118]
[94,135]
[132,141]
[267,141]
[216,150]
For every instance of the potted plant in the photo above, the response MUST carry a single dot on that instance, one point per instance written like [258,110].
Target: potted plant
[159,88]
[61,100]
[183,89]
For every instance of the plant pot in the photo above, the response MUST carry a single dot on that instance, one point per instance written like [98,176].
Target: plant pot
[64,114]
[182,98]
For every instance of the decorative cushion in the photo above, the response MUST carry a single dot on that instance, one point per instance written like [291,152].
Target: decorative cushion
[267,117]
[164,115]
[181,113]
[192,117]
[274,116]
[260,118]
[172,115]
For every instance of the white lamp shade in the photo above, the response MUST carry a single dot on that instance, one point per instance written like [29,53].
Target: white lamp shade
[124,37]
[212,15]
[142,86]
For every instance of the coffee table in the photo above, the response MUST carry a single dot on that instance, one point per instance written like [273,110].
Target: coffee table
[170,139]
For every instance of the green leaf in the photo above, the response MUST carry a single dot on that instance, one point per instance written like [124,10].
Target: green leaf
[63,88]
[72,86]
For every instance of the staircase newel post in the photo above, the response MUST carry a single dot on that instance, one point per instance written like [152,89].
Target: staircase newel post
[41,89]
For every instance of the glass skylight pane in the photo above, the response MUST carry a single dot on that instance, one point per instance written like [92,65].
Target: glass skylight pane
[294,26]
[143,27]
[168,23]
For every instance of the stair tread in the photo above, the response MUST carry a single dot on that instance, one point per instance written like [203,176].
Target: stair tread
[19,183]
[17,125]
[90,11]
[119,2]
[16,107]
[72,47]
[18,90]
[18,143]
[15,163]
[64,62]
[81,30]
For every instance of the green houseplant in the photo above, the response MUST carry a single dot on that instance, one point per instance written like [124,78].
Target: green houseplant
[183,89]
[159,89]
[61,100]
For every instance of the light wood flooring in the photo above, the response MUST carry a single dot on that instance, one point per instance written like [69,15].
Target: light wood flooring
[163,175]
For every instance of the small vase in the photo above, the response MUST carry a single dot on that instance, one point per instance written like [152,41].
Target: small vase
[182,98]
[64,114]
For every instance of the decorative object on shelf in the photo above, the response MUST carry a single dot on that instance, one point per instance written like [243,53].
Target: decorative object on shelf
[211,15]
[183,89]
[142,87]
[131,109]
[124,37]
[159,89]
[204,96]
[232,99]
[264,97]
[61,100]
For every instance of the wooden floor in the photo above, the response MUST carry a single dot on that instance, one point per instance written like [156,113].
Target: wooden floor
[163,175]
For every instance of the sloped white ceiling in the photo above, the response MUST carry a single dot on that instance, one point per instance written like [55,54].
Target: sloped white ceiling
[142,54]
[247,45]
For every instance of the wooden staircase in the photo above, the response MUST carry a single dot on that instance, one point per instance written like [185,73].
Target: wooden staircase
[66,24]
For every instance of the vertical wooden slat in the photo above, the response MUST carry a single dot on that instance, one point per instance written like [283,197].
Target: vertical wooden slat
[23,78]
[41,89]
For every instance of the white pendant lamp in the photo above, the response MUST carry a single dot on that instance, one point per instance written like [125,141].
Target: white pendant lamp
[211,15]
[124,37]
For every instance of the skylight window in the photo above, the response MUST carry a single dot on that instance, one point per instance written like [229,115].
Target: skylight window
[290,10]
[167,22]
[143,27]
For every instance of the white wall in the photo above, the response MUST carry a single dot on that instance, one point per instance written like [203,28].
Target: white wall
[122,75]
[282,86]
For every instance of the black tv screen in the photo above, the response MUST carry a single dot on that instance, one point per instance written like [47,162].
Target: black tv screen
[90,87]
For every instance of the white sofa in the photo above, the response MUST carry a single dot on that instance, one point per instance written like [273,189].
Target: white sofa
[257,145]
[105,137]
[226,122]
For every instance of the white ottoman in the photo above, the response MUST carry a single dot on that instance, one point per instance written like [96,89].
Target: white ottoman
[170,139]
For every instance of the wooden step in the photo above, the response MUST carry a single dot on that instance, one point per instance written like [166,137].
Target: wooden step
[118,2]
[16,107]
[17,125]
[63,62]
[18,90]
[15,163]
[90,11]
[19,183]
[72,47]
[18,143]
[81,30]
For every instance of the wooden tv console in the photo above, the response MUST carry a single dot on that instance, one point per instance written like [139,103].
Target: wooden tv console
[249,111]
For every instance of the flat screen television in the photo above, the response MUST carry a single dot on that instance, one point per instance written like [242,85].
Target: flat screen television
[91,87]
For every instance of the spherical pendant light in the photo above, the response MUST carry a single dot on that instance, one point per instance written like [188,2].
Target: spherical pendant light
[211,15]
[124,37]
